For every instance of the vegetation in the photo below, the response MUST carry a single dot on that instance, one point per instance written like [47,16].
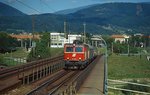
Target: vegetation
[41,49]
[116,18]
[128,68]
[14,58]
[7,43]
[56,51]
[136,87]
[19,53]
[122,67]
[134,45]
[1,59]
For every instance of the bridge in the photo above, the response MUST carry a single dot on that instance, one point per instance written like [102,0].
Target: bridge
[48,76]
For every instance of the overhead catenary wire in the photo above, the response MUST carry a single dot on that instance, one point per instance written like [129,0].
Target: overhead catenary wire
[47,5]
[28,6]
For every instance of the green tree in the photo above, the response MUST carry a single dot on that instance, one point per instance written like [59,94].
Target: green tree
[7,43]
[1,59]
[46,38]
[108,40]
[42,48]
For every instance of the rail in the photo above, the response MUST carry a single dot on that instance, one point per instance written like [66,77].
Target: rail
[29,73]
[53,79]
[72,86]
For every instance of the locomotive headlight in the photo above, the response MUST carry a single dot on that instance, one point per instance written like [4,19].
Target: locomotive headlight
[79,58]
[67,57]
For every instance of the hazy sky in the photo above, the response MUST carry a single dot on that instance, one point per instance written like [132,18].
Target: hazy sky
[49,6]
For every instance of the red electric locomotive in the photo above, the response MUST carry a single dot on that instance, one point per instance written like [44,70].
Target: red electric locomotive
[77,55]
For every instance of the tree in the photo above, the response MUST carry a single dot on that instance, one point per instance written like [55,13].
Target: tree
[41,50]
[45,38]
[108,40]
[7,43]
[1,59]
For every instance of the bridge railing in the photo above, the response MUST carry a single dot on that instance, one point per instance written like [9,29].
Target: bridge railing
[127,90]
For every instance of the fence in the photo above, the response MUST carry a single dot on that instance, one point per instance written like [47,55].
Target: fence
[127,90]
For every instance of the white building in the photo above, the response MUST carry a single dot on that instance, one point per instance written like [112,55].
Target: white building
[58,40]
[120,38]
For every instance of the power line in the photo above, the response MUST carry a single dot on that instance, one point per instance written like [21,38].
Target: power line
[28,6]
[47,5]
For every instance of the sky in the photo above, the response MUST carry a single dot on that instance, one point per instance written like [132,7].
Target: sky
[50,6]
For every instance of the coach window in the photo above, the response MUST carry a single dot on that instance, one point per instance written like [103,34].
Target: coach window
[78,49]
[69,49]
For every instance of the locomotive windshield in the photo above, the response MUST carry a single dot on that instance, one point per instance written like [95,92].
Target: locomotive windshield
[78,49]
[69,49]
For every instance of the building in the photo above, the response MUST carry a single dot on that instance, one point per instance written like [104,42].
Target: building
[96,41]
[58,39]
[120,38]
[23,37]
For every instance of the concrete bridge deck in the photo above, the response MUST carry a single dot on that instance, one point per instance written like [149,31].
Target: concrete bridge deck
[94,83]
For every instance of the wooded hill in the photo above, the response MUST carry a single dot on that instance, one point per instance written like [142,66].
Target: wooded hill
[109,18]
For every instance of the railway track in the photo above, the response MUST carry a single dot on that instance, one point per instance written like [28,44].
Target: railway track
[60,82]
[53,83]
[9,78]
[65,82]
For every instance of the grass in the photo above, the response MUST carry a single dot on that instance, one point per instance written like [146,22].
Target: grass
[128,68]
[10,62]
[122,67]
[13,58]
[19,53]
[56,51]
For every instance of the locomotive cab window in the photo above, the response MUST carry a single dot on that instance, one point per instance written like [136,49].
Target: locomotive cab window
[78,49]
[69,49]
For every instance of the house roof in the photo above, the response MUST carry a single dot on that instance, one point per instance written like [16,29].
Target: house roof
[120,36]
[117,36]
[25,36]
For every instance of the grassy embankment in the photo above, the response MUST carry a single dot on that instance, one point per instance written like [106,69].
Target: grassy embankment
[128,68]
[56,51]
[14,58]
[122,67]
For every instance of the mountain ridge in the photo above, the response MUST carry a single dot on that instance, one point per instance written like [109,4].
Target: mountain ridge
[72,10]
[108,18]
[6,10]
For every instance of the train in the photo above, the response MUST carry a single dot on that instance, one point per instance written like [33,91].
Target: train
[78,55]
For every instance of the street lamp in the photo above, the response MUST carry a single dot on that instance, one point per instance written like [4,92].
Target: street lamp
[105,69]
[84,24]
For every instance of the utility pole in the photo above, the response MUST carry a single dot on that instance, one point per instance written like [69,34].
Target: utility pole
[30,42]
[50,42]
[21,43]
[112,48]
[84,25]
[32,30]
[33,53]
[128,50]
[65,29]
